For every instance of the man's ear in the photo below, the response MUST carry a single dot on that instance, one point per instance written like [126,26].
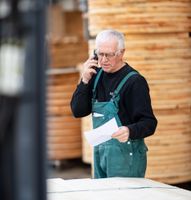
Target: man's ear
[122,52]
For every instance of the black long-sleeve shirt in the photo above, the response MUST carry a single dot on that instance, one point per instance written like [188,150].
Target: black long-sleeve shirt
[135,110]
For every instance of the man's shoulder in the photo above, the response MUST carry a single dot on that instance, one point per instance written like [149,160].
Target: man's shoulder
[128,70]
[136,78]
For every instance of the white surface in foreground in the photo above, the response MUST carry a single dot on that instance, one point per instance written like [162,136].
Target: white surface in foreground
[114,189]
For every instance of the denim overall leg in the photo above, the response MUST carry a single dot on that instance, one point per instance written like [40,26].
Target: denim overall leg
[113,158]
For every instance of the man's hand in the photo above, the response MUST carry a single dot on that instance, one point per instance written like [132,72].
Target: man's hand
[88,70]
[122,134]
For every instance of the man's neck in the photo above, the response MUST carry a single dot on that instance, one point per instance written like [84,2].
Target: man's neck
[120,65]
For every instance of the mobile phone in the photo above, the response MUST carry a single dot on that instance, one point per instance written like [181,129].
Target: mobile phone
[95,57]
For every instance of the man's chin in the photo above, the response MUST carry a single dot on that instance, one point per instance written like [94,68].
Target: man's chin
[107,69]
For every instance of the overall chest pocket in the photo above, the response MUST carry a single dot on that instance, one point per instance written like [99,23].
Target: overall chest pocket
[103,112]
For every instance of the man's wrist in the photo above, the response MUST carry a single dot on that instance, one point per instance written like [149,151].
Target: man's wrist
[85,82]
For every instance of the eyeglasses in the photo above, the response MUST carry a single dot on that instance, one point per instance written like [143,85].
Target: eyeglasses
[107,55]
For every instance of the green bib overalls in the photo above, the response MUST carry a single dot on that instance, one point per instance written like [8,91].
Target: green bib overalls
[113,158]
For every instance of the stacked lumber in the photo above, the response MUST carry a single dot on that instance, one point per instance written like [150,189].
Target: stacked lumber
[87,150]
[67,48]
[158,45]
[140,16]
[67,52]
[64,132]
[56,22]
[170,149]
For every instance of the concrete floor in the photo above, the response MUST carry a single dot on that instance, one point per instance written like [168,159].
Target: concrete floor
[69,169]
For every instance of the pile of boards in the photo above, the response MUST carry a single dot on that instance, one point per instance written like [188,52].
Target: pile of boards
[158,45]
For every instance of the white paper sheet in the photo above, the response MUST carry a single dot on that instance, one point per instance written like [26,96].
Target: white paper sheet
[102,133]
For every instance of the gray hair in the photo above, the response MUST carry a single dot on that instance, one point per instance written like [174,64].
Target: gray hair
[106,35]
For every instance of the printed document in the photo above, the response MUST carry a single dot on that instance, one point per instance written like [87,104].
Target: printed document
[102,133]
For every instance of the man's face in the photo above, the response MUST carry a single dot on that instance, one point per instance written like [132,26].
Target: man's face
[109,57]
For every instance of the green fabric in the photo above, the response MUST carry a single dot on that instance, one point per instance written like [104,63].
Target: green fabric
[96,82]
[112,158]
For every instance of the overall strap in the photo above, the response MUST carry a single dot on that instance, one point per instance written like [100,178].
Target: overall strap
[116,92]
[96,82]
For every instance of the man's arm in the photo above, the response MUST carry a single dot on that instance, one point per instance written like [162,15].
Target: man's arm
[140,109]
[81,104]
[81,100]
[137,105]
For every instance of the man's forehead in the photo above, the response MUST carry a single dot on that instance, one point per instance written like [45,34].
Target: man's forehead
[104,45]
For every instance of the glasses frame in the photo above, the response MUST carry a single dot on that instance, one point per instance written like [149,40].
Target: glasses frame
[107,55]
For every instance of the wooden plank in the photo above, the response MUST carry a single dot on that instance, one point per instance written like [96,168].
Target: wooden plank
[139,16]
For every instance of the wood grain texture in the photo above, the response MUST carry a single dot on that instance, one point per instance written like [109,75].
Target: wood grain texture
[158,45]
[64,131]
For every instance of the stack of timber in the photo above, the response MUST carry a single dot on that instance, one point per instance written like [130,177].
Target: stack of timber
[68,52]
[64,132]
[158,44]
[67,48]
[86,147]
[140,16]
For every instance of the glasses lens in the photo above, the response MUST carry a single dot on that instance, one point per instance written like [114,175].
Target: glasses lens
[107,55]
[110,55]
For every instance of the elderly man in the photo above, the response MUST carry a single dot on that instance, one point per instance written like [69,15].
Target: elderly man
[113,89]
